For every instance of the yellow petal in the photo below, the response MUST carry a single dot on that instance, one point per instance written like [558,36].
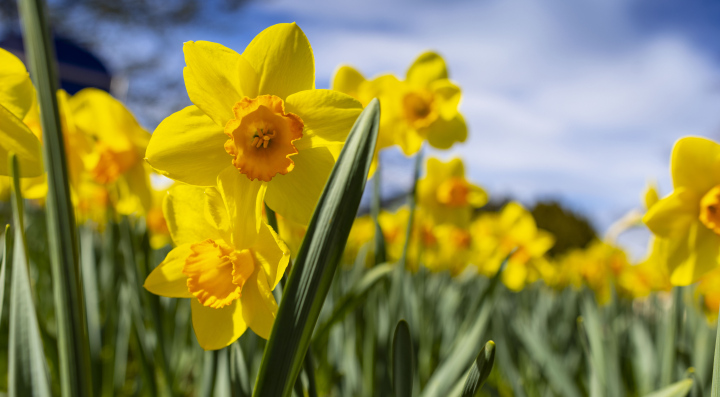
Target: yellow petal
[259,306]
[295,194]
[134,190]
[427,68]
[244,202]
[217,328]
[34,188]
[695,164]
[17,92]
[17,138]
[347,80]
[514,275]
[184,210]
[216,78]
[693,256]
[442,134]
[409,141]
[271,254]
[188,146]
[448,96]
[673,215]
[167,279]
[105,118]
[282,57]
[328,116]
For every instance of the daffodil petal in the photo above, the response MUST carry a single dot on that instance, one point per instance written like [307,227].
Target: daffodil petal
[17,138]
[188,147]
[217,328]
[442,134]
[135,195]
[17,92]
[674,214]
[272,254]
[259,306]
[34,188]
[695,164]
[216,78]
[244,202]
[295,194]
[409,141]
[327,115]
[348,80]
[448,97]
[427,68]
[167,279]
[282,57]
[693,256]
[184,210]
[98,114]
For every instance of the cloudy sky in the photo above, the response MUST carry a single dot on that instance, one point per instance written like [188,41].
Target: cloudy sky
[578,101]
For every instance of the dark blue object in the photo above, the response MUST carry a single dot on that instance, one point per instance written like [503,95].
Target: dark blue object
[77,67]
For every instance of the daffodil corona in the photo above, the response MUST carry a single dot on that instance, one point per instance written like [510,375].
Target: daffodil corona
[257,118]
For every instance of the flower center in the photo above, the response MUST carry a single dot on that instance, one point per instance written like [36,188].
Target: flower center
[710,209]
[420,110]
[453,192]
[111,164]
[216,272]
[261,137]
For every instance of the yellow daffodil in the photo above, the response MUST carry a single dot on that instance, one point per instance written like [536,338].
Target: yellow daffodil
[689,218]
[227,269]
[422,107]
[155,220]
[258,118]
[291,233]
[114,158]
[597,266]
[514,233]
[445,196]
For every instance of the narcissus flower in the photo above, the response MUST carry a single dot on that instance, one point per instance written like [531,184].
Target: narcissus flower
[689,218]
[257,117]
[114,157]
[445,196]
[514,233]
[226,268]
[422,107]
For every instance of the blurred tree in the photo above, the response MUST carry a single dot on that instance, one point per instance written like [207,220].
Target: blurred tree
[571,230]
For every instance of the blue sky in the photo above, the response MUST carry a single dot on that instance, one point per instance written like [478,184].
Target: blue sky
[578,101]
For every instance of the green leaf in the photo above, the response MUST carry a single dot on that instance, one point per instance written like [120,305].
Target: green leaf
[669,341]
[27,372]
[480,370]
[715,391]
[317,259]
[354,297]
[678,389]
[7,256]
[402,360]
[73,347]
[239,381]
[460,357]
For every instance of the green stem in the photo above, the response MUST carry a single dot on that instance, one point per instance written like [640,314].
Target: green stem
[74,350]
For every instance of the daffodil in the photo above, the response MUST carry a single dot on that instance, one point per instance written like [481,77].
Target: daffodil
[512,234]
[689,218]
[258,118]
[113,158]
[227,269]
[422,107]
[446,196]
[291,233]
[708,290]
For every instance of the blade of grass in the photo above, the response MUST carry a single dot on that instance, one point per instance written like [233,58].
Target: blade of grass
[354,297]
[27,369]
[715,390]
[402,360]
[73,346]
[7,255]
[480,370]
[317,259]
[677,389]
